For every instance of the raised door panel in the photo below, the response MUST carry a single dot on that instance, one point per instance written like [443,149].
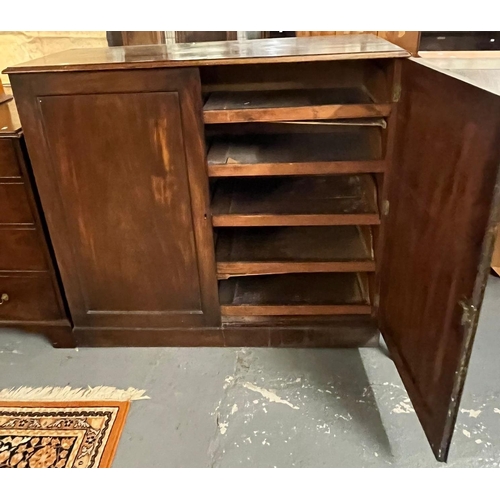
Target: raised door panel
[129,230]
[439,231]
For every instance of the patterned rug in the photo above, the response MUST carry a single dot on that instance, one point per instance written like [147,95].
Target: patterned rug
[82,432]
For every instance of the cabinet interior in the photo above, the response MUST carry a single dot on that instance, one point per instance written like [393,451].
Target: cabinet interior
[296,156]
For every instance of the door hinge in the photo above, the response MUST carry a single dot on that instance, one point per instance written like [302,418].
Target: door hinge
[396,93]
[385,208]
[468,313]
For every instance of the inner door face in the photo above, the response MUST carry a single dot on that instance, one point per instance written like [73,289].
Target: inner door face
[438,238]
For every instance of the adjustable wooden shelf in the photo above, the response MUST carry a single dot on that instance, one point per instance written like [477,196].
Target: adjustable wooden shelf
[295,295]
[276,250]
[291,104]
[289,148]
[295,201]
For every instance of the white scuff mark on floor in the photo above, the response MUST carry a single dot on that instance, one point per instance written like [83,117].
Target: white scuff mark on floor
[496,410]
[223,427]
[376,454]
[234,409]
[265,409]
[466,433]
[248,440]
[298,379]
[390,384]
[228,381]
[216,411]
[479,441]
[255,401]
[472,413]
[403,407]
[324,427]
[269,395]
[266,442]
[343,418]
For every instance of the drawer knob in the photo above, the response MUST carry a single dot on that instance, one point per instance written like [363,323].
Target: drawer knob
[4,298]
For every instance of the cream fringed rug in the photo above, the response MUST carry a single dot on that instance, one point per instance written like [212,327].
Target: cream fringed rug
[62,427]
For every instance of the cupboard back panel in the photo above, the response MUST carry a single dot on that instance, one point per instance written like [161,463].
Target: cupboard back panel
[374,76]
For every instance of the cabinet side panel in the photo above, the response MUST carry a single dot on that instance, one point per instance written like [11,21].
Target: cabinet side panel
[123,180]
[119,162]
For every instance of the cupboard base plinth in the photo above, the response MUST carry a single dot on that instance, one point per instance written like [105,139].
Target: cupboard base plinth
[304,336]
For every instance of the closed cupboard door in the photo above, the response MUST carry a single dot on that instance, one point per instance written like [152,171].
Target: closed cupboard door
[120,165]
[439,232]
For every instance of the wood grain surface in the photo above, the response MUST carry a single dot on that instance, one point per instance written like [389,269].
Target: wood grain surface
[216,53]
[439,238]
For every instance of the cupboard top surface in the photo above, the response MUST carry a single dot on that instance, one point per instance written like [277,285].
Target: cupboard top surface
[301,49]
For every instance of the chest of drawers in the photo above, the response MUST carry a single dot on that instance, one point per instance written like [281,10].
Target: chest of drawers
[30,296]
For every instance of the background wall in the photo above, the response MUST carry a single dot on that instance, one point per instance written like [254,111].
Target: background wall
[20,46]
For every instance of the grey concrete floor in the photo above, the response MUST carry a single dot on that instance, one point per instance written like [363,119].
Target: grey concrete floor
[213,407]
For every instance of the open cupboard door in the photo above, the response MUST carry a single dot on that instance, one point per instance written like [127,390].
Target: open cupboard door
[442,201]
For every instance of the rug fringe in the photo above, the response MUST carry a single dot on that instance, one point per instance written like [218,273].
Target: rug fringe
[100,393]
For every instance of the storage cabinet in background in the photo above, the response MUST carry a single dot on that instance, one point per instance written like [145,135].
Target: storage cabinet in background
[30,296]
[303,192]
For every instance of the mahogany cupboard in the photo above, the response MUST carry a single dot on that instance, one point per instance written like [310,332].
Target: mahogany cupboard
[301,192]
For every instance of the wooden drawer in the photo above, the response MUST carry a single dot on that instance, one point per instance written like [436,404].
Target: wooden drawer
[14,205]
[21,250]
[31,297]
[9,166]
